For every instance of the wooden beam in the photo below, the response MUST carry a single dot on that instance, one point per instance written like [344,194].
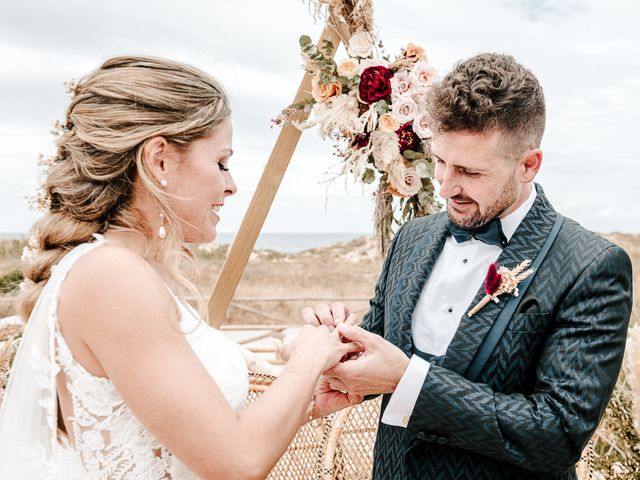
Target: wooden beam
[263,197]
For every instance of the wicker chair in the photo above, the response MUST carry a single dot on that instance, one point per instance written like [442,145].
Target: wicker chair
[337,447]
[340,446]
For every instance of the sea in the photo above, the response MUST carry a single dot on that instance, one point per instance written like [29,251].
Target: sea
[279,242]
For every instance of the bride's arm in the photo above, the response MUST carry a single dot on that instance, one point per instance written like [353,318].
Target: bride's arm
[126,327]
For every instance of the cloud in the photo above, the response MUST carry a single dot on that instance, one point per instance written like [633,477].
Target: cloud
[545,10]
[586,54]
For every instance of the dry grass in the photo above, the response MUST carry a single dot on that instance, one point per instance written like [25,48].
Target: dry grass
[348,270]
[631,243]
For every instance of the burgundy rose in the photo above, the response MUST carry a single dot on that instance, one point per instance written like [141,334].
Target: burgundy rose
[375,84]
[407,138]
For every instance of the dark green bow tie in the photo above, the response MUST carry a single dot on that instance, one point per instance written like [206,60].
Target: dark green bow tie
[490,233]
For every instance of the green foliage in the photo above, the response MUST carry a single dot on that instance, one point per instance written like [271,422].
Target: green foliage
[320,58]
[369,176]
[10,282]
[381,107]
[412,155]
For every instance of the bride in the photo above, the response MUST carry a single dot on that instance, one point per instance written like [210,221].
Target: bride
[117,377]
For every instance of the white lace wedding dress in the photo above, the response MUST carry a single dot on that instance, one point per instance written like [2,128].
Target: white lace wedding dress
[110,442]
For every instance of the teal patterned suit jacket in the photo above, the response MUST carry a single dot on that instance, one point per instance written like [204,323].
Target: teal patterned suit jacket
[546,384]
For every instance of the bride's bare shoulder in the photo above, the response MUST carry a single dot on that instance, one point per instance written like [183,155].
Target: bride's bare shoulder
[113,282]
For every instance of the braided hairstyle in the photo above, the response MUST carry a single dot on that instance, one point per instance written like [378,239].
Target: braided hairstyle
[113,112]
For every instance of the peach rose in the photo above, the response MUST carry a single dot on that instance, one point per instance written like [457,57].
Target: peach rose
[322,92]
[415,53]
[388,123]
[348,68]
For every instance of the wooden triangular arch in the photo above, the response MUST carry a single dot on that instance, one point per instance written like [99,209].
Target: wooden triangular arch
[336,30]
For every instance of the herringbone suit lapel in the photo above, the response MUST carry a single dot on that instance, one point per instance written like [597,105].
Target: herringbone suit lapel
[525,244]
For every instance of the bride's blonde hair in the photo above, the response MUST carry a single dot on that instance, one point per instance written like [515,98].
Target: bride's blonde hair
[89,183]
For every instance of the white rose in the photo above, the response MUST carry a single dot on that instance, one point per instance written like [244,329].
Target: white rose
[371,62]
[401,85]
[360,45]
[404,109]
[421,126]
[423,75]
[348,68]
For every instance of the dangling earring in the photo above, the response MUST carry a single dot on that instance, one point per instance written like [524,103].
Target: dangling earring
[162,231]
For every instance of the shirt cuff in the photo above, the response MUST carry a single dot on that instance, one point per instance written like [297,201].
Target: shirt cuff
[403,399]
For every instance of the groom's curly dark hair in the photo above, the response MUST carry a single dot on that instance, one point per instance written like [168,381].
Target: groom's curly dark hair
[490,92]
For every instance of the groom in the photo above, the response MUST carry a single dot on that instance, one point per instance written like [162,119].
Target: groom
[483,396]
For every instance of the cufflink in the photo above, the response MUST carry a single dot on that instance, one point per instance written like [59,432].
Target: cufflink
[405,420]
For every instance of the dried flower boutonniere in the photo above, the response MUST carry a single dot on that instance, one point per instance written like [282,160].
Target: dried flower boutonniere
[501,280]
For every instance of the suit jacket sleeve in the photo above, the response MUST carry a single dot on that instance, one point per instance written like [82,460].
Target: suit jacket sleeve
[546,430]
[373,321]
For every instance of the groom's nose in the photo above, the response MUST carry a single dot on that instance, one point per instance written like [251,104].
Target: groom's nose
[449,185]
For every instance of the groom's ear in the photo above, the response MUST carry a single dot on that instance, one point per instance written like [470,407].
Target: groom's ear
[530,164]
[155,157]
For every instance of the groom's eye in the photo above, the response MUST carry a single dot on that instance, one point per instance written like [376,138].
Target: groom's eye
[223,167]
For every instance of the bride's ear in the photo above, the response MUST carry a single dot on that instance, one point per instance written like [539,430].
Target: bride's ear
[155,157]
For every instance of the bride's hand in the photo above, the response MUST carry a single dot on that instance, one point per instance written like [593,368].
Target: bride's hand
[320,343]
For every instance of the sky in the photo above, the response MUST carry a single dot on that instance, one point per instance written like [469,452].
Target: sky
[586,54]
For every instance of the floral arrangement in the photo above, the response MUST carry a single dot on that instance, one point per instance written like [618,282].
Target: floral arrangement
[501,280]
[374,109]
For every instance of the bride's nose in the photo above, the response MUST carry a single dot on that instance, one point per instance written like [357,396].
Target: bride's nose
[230,187]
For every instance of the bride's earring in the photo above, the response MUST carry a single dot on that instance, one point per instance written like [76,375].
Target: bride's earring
[162,231]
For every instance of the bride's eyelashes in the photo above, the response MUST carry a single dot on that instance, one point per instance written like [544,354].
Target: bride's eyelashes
[223,167]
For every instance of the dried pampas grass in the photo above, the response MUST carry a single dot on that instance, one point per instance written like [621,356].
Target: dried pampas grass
[617,441]
[632,372]
[10,334]
[355,15]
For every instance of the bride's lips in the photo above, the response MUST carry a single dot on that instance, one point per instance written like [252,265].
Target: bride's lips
[215,209]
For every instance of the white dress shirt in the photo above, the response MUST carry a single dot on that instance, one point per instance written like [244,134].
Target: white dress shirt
[447,294]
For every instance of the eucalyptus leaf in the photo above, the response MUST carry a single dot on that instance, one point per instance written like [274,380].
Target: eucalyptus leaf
[328,47]
[412,155]
[368,176]
[381,107]
[305,40]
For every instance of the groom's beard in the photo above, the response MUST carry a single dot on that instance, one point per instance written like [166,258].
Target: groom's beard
[478,219]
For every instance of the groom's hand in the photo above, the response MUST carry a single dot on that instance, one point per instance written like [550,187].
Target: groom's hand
[377,370]
[329,315]
[329,400]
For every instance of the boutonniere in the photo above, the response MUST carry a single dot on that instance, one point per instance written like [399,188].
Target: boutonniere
[501,280]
